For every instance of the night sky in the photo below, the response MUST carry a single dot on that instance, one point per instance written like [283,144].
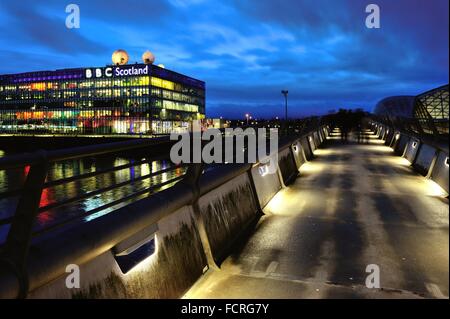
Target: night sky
[246,51]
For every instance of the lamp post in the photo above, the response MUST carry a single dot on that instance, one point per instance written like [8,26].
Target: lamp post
[285,93]
[247,116]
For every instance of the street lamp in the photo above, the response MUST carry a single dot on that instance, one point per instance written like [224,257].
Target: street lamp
[247,116]
[285,93]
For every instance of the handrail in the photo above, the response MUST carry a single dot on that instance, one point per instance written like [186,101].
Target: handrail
[15,192]
[16,161]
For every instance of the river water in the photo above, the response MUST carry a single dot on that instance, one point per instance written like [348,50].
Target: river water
[14,179]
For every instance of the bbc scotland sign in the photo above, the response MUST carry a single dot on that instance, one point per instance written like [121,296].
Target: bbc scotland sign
[117,71]
[134,70]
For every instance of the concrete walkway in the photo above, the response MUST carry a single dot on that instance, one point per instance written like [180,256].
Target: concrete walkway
[352,206]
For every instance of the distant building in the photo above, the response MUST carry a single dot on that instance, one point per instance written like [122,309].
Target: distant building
[119,99]
[429,110]
[216,123]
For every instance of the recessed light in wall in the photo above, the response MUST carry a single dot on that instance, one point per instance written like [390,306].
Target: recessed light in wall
[263,170]
[133,251]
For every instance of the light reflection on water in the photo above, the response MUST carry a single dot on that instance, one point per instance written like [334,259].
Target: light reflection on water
[13,179]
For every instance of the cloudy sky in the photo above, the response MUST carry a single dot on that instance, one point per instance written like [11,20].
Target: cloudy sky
[246,51]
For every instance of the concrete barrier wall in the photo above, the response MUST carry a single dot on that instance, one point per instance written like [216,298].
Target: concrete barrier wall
[381,132]
[377,130]
[389,137]
[287,165]
[323,132]
[316,139]
[394,140]
[424,159]
[387,133]
[319,134]
[401,144]
[266,185]
[304,142]
[312,145]
[440,172]
[411,149]
[178,261]
[226,212]
[299,154]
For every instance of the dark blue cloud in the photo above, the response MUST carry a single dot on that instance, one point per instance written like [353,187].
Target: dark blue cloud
[246,51]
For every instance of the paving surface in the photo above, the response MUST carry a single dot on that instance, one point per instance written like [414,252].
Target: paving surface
[353,206]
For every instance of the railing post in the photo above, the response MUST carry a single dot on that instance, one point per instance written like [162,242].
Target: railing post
[15,252]
[191,179]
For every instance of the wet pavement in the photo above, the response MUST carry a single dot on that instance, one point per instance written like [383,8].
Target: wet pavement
[354,205]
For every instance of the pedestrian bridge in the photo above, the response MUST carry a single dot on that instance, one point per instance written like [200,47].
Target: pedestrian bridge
[354,205]
[309,231]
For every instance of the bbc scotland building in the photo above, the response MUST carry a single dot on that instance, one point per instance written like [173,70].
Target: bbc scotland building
[116,99]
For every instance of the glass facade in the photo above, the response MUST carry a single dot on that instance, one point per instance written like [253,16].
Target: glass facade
[429,110]
[434,104]
[128,99]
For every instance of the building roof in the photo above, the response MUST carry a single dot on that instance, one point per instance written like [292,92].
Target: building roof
[402,106]
[79,73]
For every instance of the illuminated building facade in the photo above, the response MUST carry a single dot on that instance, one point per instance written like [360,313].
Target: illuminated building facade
[426,113]
[125,99]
